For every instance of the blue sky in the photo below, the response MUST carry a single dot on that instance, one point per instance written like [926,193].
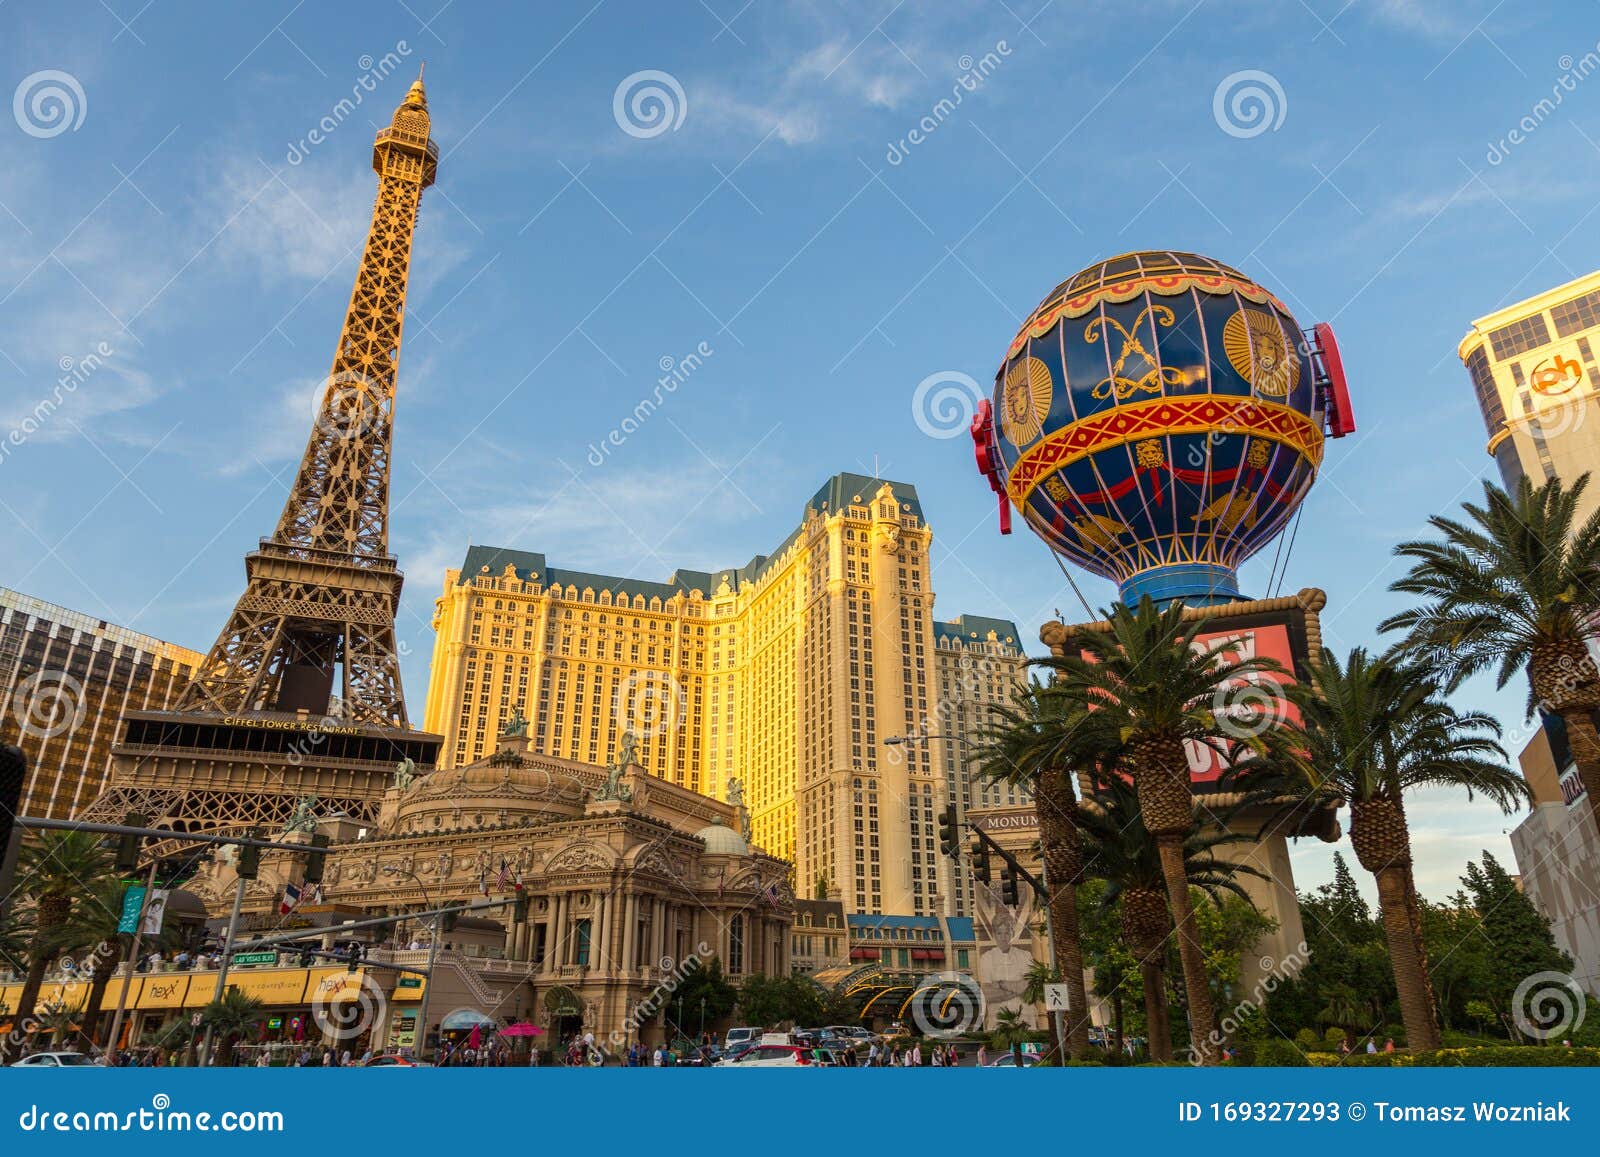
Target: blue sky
[783,222]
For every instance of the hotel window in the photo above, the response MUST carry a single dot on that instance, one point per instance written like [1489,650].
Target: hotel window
[1519,337]
[736,945]
[1579,313]
[1494,415]
[581,957]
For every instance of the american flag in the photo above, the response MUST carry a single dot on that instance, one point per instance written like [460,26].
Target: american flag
[504,878]
[290,901]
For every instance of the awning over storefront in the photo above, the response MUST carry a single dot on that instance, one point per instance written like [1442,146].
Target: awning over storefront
[409,988]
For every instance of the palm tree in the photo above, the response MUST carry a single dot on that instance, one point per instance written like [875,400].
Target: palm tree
[1136,689]
[1370,730]
[230,1018]
[1010,1032]
[92,932]
[56,872]
[1022,746]
[1515,585]
[1119,850]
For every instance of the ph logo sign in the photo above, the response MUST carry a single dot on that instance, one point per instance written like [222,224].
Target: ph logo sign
[1554,376]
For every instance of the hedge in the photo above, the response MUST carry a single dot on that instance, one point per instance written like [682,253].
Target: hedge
[1488,1056]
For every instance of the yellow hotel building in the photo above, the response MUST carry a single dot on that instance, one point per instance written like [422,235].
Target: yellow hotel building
[779,681]
[1534,371]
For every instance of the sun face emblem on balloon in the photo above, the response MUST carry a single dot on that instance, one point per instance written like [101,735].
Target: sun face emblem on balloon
[1025,401]
[1257,349]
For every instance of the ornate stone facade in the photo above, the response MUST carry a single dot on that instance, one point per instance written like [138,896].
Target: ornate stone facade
[618,893]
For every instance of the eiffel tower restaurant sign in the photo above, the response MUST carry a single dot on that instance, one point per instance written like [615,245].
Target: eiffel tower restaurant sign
[300,695]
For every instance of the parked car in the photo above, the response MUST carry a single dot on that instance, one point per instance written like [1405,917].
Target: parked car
[56,1061]
[852,1032]
[395,1061]
[1009,1061]
[740,1038]
[774,1056]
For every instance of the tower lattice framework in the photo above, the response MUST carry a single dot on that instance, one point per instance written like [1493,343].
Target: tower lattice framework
[322,592]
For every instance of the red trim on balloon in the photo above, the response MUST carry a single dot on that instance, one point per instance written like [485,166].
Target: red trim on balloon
[1341,416]
[987,452]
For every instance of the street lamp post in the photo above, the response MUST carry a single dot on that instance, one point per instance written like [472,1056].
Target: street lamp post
[433,957]
[961,822]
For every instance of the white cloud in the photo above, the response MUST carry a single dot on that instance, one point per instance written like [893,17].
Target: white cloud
[287,221]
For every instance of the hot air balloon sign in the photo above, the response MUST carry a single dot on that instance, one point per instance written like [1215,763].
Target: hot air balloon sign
[1158,419]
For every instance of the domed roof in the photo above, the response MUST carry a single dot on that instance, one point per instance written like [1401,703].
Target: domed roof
[721,840]
[517,788]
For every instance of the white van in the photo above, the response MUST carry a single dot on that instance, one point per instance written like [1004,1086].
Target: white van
[740,1038]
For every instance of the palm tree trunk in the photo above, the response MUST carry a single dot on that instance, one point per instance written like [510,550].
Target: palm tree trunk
[97,997]
[1056,805]
[28,998]
[1197,985]
[1155,1010]
[1584,741]
[1416,1004]
[1414,915]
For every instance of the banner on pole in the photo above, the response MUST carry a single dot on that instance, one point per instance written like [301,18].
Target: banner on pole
[155,911]
[132,902]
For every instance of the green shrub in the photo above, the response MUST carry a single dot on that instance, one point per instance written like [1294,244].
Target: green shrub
[1483,1056]
[1307,1039]
[1276,1054]
[1333,1038]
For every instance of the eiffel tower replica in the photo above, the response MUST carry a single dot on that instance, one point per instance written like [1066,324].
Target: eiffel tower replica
[300,695]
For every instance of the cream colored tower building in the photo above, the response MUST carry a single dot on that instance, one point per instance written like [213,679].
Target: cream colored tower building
[777,681]
[1534,370]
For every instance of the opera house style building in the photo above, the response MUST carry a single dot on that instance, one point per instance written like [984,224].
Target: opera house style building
[613,882]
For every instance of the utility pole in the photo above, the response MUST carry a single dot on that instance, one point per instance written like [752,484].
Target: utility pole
[222,970]
[128,966]
[421,1036]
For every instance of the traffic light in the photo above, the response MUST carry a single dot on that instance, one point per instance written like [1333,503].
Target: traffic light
[250,857]
[316,858]
[447,922]
[519,912]
[13,770]
[980,861]
[355,958]
[949,832]
[127,861]
[1008,886]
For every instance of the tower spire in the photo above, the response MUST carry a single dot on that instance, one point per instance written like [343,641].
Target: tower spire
[323,590]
